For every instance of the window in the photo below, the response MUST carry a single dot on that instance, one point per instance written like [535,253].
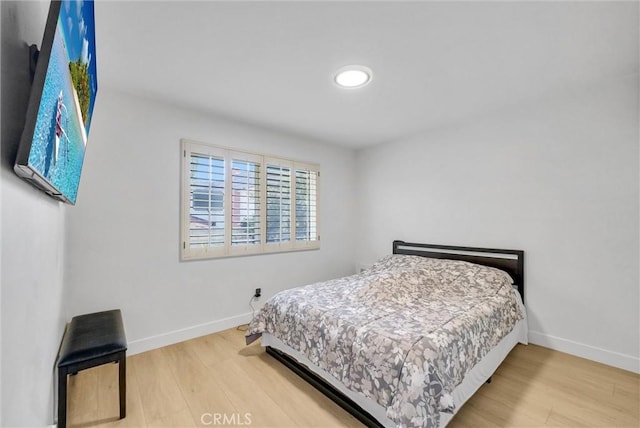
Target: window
[278,202]
[206,225]
[306,204]
[236,203]
[245,201]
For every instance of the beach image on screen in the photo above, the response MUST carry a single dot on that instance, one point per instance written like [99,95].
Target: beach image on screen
[64,115]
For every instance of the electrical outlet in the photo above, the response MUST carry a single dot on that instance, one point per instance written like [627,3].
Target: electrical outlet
[258,292]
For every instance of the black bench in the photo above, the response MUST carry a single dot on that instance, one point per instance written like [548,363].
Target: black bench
[92,340]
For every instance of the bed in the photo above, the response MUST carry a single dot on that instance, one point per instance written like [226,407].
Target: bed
[407,340]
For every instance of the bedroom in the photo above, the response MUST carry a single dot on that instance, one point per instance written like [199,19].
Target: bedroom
[550,167]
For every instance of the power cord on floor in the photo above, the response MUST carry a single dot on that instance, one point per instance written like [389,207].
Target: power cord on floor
[245,327]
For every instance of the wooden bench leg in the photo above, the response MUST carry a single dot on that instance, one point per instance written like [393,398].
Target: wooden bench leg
[62,397]
[123,384]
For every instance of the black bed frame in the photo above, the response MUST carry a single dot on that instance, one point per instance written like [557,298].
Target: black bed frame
[510,261]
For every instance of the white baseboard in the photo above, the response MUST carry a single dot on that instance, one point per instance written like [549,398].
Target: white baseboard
[610,358]
[165,339]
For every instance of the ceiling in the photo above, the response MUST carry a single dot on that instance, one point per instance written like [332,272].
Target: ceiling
[434,63]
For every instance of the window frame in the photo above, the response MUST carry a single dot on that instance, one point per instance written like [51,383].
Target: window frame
[271,247]
[228,249]
[306,244]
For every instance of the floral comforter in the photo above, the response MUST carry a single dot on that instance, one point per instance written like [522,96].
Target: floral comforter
[403,333]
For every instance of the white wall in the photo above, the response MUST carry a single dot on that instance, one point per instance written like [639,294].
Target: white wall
[123,234]
[558,179]
[32,303]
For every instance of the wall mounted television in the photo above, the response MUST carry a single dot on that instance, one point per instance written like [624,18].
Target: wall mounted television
[60,107]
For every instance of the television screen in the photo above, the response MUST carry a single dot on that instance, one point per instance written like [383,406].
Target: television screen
[63,93]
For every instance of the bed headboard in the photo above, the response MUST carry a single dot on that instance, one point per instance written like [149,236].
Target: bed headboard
[510,261]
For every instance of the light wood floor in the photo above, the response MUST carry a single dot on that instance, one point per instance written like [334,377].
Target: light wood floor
[217,376]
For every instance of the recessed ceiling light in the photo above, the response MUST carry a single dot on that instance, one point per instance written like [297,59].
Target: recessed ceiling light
[353,76]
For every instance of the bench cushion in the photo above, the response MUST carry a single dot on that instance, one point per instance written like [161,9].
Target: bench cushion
[91,336]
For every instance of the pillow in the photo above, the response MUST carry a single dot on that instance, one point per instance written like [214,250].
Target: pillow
[398,261]
[446,272]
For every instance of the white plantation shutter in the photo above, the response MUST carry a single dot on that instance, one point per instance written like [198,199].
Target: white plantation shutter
[245,201]
[278,202]
[205,187]
[236,203]
[306,203]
